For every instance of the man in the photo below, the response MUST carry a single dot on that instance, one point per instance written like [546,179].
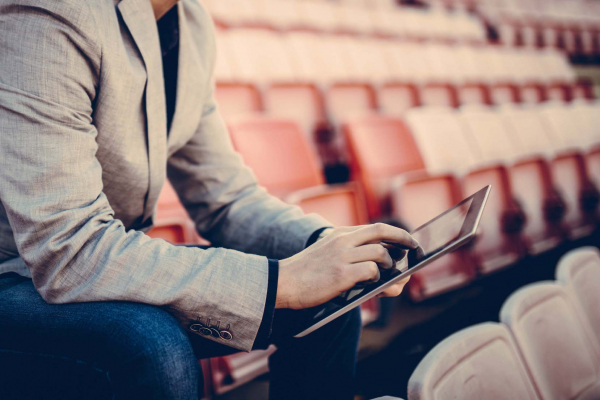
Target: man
[99,105]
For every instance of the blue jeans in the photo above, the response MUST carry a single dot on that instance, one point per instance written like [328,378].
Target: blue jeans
[120,350]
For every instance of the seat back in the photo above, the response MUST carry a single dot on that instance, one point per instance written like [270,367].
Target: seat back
[416,200]
[441,139]
[348,100]
[278,153]
[556,343]
[486,131]
[237,99]
[299,102]
[579,271]
[342,205]
[381,148]
[526,130]
[480,362]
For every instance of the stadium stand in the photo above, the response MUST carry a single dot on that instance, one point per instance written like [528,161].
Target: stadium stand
[424,107]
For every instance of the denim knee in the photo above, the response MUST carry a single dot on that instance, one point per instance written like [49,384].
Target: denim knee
[153,351]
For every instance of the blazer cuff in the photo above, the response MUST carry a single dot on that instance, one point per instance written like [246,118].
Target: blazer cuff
[266,326]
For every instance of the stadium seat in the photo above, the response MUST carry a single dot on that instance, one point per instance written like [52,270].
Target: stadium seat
[416,199]
[172,221]
[343,205]
[278,154]
[380,149]
[348,100]
[570,170]
[556,342]
[299,102]
[579,271]
[480,362]
[498,136]
[237,99]
[437,130]
[233,371]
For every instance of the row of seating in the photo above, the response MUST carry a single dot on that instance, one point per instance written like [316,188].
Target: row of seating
[547,346]
[259,56]
[570,25]
[542,164]
[378,18]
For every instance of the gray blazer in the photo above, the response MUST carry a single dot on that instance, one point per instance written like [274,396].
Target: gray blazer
[84,155]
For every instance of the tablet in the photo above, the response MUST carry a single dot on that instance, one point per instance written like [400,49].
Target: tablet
[441,235]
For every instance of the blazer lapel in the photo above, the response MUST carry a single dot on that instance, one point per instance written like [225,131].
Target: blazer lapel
[188,104]
[139,18]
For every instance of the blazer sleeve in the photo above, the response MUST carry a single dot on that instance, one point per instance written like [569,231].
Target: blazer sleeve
[221,194]
[51,187]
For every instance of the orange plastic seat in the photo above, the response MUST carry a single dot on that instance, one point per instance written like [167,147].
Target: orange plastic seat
[278,153]
[380,148]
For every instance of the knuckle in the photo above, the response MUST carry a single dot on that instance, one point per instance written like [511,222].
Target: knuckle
[379,227]
[381,252]
[373,269]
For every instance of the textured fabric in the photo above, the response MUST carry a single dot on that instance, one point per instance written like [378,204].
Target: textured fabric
[85,154]
[136,351]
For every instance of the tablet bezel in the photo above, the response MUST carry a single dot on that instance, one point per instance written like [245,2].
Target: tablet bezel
[467,232]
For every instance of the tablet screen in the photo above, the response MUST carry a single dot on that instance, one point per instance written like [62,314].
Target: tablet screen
[439,236]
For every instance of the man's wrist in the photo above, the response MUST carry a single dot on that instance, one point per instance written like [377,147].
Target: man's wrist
[324,233]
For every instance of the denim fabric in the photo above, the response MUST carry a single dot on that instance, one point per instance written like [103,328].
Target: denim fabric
[121,350]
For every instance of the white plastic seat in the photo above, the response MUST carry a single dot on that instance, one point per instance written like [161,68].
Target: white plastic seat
[556,342]
[436,131]
[480,362]
[579,271]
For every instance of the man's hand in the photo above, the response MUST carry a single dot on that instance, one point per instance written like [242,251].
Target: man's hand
[336,263]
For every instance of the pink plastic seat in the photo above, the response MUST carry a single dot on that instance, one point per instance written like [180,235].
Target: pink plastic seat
[237,99]
[556,342]
[579,271]
[416,199]
[349,100]
[480,362]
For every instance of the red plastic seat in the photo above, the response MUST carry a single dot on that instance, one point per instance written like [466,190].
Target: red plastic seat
[380,148]
[416,199]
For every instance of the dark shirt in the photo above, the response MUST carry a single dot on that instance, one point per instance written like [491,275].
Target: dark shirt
[168,30]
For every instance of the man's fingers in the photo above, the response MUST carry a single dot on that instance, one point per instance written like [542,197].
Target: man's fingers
[366,271]
[382,233]
[372,252]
